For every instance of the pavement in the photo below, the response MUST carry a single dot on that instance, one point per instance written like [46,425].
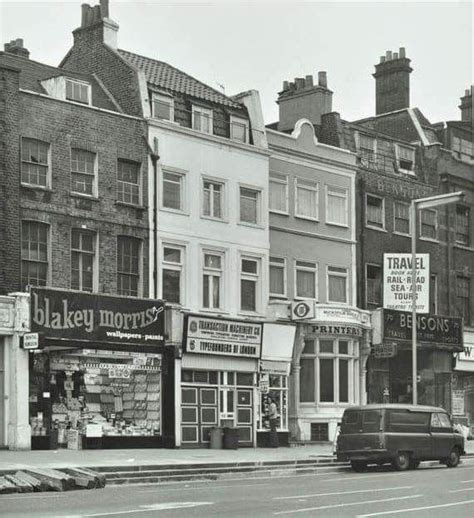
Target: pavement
[430,491]
[63,458]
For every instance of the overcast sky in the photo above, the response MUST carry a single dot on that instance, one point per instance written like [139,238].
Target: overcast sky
[244,45]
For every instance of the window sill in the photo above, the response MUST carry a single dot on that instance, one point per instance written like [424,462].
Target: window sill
[307,218]
[36,187]
[174,211]
[131,205]
[406,171]
[249,314]
[251,225]
[378,229]
[217,220]
[401,234]
[83,196]
[463,246]
[276,296]
[341,225]
[216,312]
[429,239]
[280,212]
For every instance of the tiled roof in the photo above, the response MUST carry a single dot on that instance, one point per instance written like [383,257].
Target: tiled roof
[165,76]
[33,72]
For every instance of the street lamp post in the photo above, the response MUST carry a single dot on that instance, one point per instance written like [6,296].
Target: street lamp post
[416,205]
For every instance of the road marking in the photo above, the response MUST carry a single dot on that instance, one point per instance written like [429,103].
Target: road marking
[463,489]
[466,481]
[209,486]
[342,493]
[145,509]
[23,496]
[415,509]
[365,502]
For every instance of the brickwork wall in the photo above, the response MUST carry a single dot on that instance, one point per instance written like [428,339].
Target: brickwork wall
[9,182]
[89,55]
[111,137]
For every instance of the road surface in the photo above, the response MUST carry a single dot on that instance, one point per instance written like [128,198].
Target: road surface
[429,491]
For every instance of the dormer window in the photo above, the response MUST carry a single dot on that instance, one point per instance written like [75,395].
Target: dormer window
[162,107]
[239,129]
[77,91]
[202,119]
[367,147]
[405,158]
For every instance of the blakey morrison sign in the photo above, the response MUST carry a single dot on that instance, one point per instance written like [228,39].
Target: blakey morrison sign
[84,317]
[434,331]
[223,337]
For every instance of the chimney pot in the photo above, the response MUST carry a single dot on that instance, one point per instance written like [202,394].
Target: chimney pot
[299,83]
[19,42]
[401,52]
[395,55]
[382,59]
[104,8]
[309,81]
[322,79]
[467,92]
[389,55]
[286,85]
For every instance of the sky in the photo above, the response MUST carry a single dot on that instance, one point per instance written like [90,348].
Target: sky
[239,45]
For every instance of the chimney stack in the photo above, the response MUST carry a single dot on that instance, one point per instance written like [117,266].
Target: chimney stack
[466,105]
[98,17]
[392,82]
[303,99]
[16,47]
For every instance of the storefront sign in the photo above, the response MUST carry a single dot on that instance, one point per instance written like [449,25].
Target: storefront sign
[301,310]
[336,330]
[96,318]
[431,329]
[333,314]
[397,282]
[407,189]
[272,367]
[31,341]
[385,350]
[457,402]
[206,335]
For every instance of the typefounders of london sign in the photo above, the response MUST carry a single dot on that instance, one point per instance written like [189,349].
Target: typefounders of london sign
[78,316]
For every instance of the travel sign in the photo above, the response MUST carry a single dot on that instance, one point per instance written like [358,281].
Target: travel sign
[78,316]
[397,282]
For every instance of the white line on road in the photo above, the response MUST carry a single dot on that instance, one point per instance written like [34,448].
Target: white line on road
[365,502]
[398,511]
[463,489]
[209,486]
[23,496]
[466,481]
[342,493]
[144,509]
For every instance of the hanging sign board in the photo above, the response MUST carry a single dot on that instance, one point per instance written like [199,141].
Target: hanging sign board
[31,341]
[457,403]
[397,282]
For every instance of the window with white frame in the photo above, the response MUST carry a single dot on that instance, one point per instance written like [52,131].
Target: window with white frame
[173,191]
[401,218]
[374,211]
[212,280]
[34,253]
[83,259]
[405,158]
[128,182]
[162,107]
[249,205]
[239,129]
[249,283]
[129,266]
[336,205]
[329,371]
[277,277]
[429,224]
[202,119]
[77,91]
[433,294]
[83,172]
[172,279]
[337,284]
[373,285]
[213,199]
[35,162]
[278,193]
[305,279]
[306,199]
[463,226]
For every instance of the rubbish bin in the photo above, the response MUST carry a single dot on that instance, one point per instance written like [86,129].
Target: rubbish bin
[216,436]
[231,438]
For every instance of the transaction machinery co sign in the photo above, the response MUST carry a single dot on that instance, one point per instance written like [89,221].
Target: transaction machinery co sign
[86,317]
[397,282]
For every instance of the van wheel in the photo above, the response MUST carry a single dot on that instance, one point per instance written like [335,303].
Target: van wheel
[453,460]
[359,465]
[414,464]
[402,461]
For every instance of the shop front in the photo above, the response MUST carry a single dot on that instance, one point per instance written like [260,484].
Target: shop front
[219,371]
[463,382]
[328,372]
[101,373]
[390,363]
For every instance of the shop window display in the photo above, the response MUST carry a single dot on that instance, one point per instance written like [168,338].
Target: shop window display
[96,394]
[278,392]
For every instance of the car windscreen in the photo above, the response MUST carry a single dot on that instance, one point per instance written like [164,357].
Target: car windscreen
[356,421]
